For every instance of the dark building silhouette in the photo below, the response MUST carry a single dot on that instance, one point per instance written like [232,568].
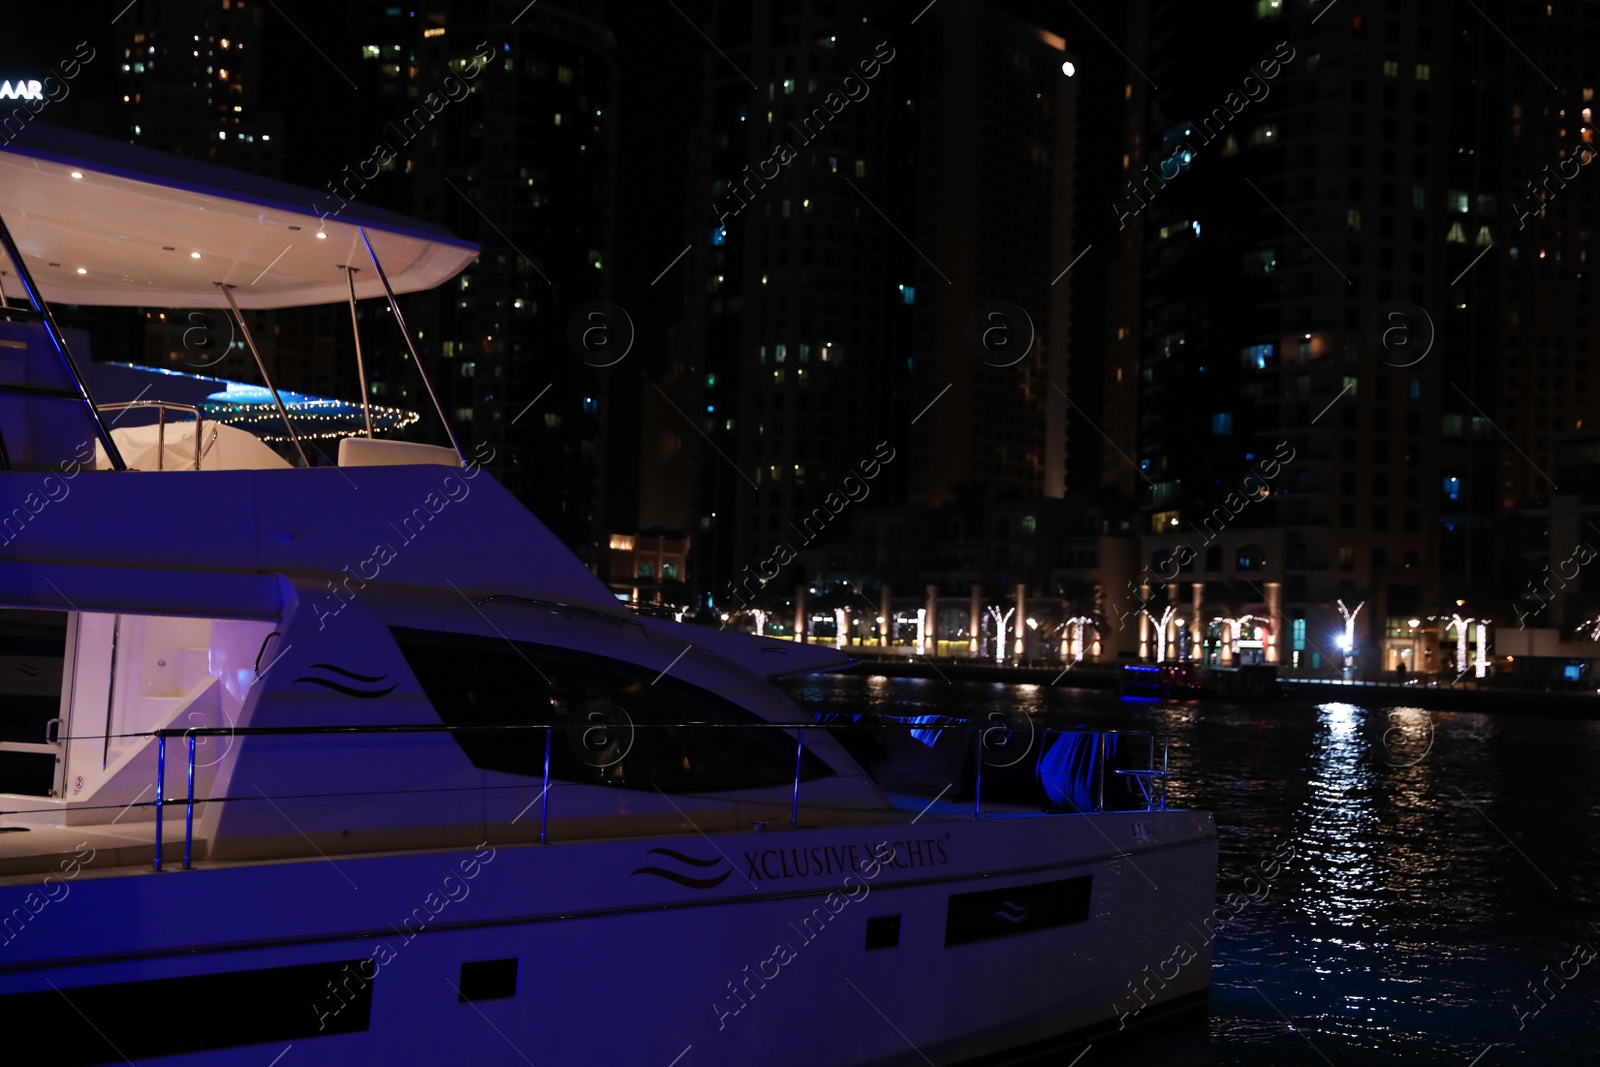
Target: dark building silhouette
[865,180]
[502,126]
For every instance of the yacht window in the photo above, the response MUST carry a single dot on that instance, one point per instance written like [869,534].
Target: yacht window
[616,722]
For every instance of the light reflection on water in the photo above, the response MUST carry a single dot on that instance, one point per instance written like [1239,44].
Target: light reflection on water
[1442,860]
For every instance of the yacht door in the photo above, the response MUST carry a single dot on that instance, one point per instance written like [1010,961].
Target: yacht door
[33,648]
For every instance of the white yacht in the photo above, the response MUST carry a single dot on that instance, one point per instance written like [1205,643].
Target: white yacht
[356,763]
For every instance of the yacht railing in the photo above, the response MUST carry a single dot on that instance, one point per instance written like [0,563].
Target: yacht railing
[1150,780]
[161,407]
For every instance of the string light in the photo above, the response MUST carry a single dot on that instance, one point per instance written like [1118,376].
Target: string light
[251,407]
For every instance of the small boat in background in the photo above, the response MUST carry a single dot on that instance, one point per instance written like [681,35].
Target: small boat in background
[1188,681]
[1170,681]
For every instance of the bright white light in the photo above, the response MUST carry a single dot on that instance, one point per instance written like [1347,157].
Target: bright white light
[82,271]
[1068,68]
[194,255]
[77,174]
[322,236]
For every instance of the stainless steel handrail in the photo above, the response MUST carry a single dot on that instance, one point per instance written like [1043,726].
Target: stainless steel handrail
[161,407]
[1100,738]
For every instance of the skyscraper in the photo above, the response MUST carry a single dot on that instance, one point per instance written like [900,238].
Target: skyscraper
[1342,287]
[499,121]
[995,220]
[872,182]
[1288,187]
[798,340]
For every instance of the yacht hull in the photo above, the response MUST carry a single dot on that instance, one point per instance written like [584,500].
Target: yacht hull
[779,947]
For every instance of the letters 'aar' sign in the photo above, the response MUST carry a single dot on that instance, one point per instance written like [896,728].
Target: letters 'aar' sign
[21,90]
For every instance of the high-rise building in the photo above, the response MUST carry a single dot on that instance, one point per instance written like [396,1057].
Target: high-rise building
[868,183]
[1545,381]
[995,219]
[498,120]
[191,82]
[1356,326]
[796,358]
[1289,187]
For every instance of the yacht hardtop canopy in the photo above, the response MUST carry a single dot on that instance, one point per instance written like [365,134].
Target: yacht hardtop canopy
[102,222]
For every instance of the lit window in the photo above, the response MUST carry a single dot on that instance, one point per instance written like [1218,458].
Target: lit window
[1391,69]
[1222,423]
[908,294]
[1452,488]
[1424,72]
[861,168]
[564,75]
[1264,134]
[1352,219]
[1266,9]
[1456,236]
[1459,201]
[1484,239]
[1260,263]
[1258,357]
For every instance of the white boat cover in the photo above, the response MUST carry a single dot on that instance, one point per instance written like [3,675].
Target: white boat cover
[222,448]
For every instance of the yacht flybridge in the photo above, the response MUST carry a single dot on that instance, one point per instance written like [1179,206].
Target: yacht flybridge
[358,764]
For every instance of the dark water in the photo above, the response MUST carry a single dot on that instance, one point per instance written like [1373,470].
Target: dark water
[1442,862]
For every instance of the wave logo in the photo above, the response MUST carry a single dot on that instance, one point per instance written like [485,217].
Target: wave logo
[692,877]
[365,690]
[1011,913]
